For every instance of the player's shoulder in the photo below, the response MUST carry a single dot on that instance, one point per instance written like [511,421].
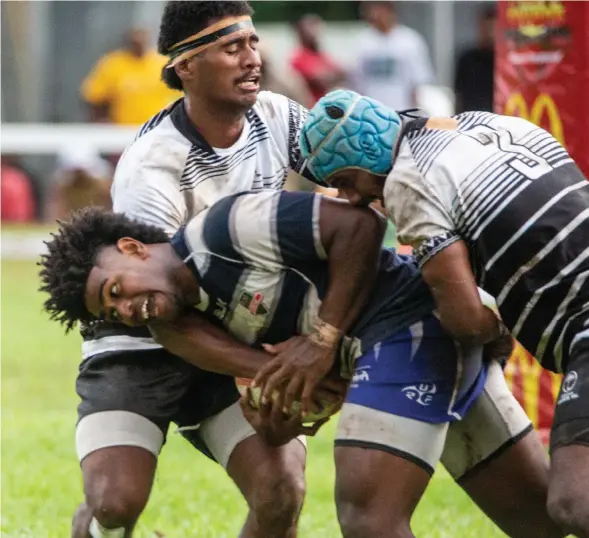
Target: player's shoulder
[158,144]
[158,136]
[272,106]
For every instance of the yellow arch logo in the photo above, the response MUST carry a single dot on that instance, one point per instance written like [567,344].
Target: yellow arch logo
[516,106]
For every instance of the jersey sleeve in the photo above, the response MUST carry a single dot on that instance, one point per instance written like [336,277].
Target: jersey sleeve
[151,194]
[421,212]
[270,230]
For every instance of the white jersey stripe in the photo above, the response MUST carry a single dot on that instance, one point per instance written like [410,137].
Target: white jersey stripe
[552,244]
[531,220]
[538,293]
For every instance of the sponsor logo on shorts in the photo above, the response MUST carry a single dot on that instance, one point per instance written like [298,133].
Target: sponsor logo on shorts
[423,393]
[567,391]
[361,375]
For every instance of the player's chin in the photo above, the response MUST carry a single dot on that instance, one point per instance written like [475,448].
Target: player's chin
[246,99]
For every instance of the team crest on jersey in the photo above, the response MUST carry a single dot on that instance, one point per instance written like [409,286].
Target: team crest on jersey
[254,303]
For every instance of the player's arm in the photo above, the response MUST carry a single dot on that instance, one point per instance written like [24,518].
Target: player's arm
[422,212]
[349,239]
[199,342]
[458,302]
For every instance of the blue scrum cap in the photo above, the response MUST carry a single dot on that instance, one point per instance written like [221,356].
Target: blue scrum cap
[347,130]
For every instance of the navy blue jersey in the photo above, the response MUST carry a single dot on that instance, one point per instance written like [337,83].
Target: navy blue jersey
[263,272]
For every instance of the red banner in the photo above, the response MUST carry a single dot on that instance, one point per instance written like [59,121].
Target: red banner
[542,75]
[542,69]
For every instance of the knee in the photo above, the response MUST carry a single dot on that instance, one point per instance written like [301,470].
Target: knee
[115,504]
[358,519]
[569,509]
[279,496]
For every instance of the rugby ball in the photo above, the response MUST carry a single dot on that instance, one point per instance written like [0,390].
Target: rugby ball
[327,407]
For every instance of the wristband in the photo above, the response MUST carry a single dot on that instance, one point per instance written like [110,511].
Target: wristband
[325,335]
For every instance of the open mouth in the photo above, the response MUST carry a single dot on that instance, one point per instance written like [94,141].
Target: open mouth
[250,83]
[149,309]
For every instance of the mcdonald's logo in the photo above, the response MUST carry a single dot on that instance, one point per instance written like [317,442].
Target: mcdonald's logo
[516,106]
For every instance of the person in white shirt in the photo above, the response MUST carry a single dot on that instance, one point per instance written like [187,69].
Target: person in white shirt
[393,59]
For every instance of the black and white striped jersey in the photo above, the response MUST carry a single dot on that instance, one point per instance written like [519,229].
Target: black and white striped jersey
[510,190]
[170,173]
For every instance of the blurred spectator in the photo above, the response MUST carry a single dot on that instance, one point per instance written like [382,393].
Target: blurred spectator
[17,196]
[318,70]
[125,85]
[393,59]
[289,84]
[82,178]
[474,71]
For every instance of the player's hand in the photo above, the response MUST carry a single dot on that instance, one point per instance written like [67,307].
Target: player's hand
[271,424]
[296,370]
[499,349]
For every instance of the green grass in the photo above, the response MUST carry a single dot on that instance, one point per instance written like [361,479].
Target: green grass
[41,483]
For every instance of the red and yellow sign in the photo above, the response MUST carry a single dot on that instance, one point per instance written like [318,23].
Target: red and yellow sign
[542,69]
[542,75]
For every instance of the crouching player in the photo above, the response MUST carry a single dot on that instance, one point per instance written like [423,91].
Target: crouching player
[275,268]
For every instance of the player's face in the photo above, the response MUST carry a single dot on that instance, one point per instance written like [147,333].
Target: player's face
[357,186]
[130,285]
[229,73]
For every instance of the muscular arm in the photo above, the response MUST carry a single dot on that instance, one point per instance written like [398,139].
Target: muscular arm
[201,343]
[462,313]
[352,238]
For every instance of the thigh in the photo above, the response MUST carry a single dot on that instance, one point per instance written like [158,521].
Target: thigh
[256,468]
[232,442]
[129,398]
[499,460]
[494,422]
[118,479]
[377,489]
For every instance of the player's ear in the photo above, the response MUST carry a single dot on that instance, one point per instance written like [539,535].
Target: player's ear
[185,69]
[132,247]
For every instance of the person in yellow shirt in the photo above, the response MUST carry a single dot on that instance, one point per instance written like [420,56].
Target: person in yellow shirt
[125,86]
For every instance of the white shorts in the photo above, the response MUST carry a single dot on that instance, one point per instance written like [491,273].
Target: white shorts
[493,422]
[220,433]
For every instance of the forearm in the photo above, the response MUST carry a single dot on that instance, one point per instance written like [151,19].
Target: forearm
[474,325]
[201,343]
[354,258]
[462,312]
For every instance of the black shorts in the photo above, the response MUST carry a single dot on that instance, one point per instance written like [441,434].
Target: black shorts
[571,416]
[155,385]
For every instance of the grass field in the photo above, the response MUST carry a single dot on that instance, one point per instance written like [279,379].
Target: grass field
[192,498]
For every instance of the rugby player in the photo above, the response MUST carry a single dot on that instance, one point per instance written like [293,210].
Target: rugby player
[490,201]
[272,267]
[221,138]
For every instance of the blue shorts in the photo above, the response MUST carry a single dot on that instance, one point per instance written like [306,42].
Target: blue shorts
[419,373]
